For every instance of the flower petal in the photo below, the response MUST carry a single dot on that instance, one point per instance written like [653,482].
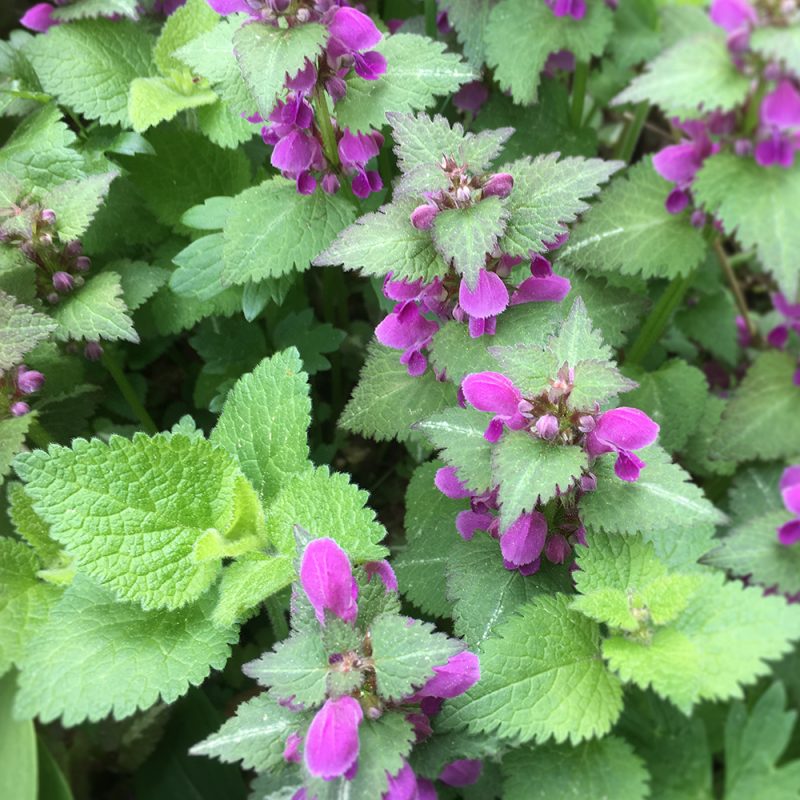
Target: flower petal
[327,579]
[354,29]
[455,677]
[331,745]
[491,391]
[488,299]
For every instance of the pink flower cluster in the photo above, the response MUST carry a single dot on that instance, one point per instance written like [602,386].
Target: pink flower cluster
[15,385]
[293,128]
[547,417]
[789,532]
[329,746]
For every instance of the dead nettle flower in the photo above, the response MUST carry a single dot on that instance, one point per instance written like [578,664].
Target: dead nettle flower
[422,308]
[329,745]
[779,335]
[39,18]
[293,128]
[789,532]
[15,385]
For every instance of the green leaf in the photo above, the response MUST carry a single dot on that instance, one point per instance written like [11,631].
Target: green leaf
[577,340]
[722,640]
[387,401]
[711,322]
[458,433]
[541,677]
[606,767]
[386,241]
[96,656]
[474,565]
[778,44]
[86,9]
[154,100]
[200,265]
[325,504]
[663,498]
[13,431]
[311,337]
[625,585]
[521,35]
[25,601]
[210,215]
[430,526]
[76,202]
[272,229]
[547,193]
[417,70]
[761,420]
[30,526]
[597,382]
[95,311]
[755,203]
[89,64]
[754,743]
[21,329]
[296,669]
[186,170]
[140,280]
[405,654]
[267,54]
[464,236]
[674,396]
[224,127]
[256,736]
[530,470]
[264,422]
[18,775]
[136,513]
[247,582]
[696,72]
[469,18]
[629,231]
[186,23]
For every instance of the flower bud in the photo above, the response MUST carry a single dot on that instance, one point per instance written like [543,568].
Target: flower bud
[83,264]
[422,217]
[93,351]
[19,409]
[29,380]
[53,298]
[46,240]
[463,194]
[74,248]
[48,216]
[557,549]
[62,282]
[547,427]
[499,185]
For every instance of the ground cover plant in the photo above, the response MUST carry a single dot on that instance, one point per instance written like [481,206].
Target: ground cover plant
[400,399]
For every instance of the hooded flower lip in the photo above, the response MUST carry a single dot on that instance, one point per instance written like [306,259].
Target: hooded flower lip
[468,522]
[226,7]
[491,391]
[39,18]
[449,484]
[403,785]
[459,674]
[732,15]
[623,430]
[789,532]
[780,120]
[463,772]
[407,330]
[331,743]
[524,540]
[354,33]
[327,579]
[488,299]
[573,8]
[383,569]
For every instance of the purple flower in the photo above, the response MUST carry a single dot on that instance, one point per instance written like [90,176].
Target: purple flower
[547,426]
[471,97]
[384,571]
[448,483]
[422,217]
[544,286]
[459,674]
[493,392]
[291,751]
[780,119]
[295,152]
[19,409]
[499,185]
[573,8]
[29,380]
[732,15]
[467,522]
[463,772]
[403,785]
[623,430]
[524,540]
[355,150]
[354,32]
[789,532]
[63,282]
[407,330]
[331,747]
[327,579]
[679,163]
[39,18]
[488,299]
[557,549]
[226,7]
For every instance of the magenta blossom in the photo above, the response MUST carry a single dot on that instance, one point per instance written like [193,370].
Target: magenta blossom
[679,163]
[789,532]
[407,330]
[491,391]
[385,573]
[622,430]
[471,97]
[544,286]
[457,676]
[327,579]
[463,772]
[355,150]
[780,125]
[573,8]
[523,542]
[331,745]
[39,18]
[737,17]
[449,484]
[354,33]
[484,302]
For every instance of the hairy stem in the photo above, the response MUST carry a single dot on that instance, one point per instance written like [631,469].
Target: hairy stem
[733,282]
[655,325]
[323,118]
[431,29]
[127,391]
[579,92]
[630,134]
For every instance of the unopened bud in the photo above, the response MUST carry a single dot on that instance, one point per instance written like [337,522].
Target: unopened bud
[48,216]
[586,423]
[588,482]
[46,240]
[29,380]
[93,351]
[463,194]
[547,427]
[303,15]
[53,298]
[19,409]
[499,185]
[83,264]
[422,217]
[62,282]
[74,248]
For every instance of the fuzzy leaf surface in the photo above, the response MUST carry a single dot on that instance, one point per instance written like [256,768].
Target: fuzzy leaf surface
[21,329]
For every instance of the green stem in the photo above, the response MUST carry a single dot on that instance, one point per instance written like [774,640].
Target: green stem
[655,325]
[630,135]
[431,28]
[127,391]
[738,294]
[323,117]
[579,92]
[753,107]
